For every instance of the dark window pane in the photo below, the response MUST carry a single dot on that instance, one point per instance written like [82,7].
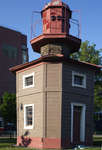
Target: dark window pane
[78,80]
[28,81]
[53,18]
[29,115]
[9,51]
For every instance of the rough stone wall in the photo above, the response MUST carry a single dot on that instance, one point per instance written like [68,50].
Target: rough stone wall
[53,49]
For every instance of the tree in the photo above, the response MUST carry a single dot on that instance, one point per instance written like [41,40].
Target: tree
[98,97]
[88,53]
[8,108]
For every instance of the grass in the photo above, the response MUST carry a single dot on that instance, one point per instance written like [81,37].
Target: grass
[98,141]
[7,144]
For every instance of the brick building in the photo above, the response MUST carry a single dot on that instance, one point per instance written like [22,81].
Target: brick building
[13,51]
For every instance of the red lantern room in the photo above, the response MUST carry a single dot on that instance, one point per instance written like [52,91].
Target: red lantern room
[56,17]
[55,38]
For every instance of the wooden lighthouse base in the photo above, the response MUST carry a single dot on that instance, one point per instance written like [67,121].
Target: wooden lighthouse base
[47,143]
[39,143]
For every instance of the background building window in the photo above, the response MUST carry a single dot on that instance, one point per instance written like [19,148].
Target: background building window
[29,116]
[78,79]
[24,54]
[28,81]
[9,51]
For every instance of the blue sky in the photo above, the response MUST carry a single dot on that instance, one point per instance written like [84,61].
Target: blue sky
[17,14]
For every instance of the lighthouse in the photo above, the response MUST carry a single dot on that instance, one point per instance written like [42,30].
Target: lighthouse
[56,38]
[55,93]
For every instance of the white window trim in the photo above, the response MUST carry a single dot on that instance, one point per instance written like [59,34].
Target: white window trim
[25,76]
[81,75]
[82,122]
[25,126]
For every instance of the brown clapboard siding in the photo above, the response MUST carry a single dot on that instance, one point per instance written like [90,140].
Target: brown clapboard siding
[30,96]
[76,95]
[54,74]
[54,114]
[38,81]
[53,102]
[37,100]
[52,97]
[67,99]
[43,73]
[67,80]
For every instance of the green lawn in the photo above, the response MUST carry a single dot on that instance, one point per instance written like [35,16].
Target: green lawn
[8,144]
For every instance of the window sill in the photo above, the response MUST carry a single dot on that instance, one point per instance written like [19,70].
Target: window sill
[81,86]
[28,127]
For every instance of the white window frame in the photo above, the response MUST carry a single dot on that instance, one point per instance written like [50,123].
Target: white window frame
[81,75]
[24,77]
[25,126]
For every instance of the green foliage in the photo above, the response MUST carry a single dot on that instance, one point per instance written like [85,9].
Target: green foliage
[98,96]
[88,53]
[8,108]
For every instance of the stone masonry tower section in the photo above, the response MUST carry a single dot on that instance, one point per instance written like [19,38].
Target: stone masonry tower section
[55,38]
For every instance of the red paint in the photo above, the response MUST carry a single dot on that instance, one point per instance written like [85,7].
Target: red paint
[40,142]
[55,10]
[51,143]
[35,142]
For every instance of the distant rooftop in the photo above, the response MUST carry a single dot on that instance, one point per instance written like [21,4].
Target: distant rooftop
[6,28]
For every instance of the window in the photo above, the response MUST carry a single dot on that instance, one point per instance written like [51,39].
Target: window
[24,54]
[9,51]
[59,18]
[28,81]
[53,18]
[29,116]
[78,79]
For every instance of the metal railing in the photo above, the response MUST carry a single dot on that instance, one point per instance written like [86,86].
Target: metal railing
[37,25]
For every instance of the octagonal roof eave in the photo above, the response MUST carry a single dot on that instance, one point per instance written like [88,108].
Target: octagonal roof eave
[47,38]
[57,58]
